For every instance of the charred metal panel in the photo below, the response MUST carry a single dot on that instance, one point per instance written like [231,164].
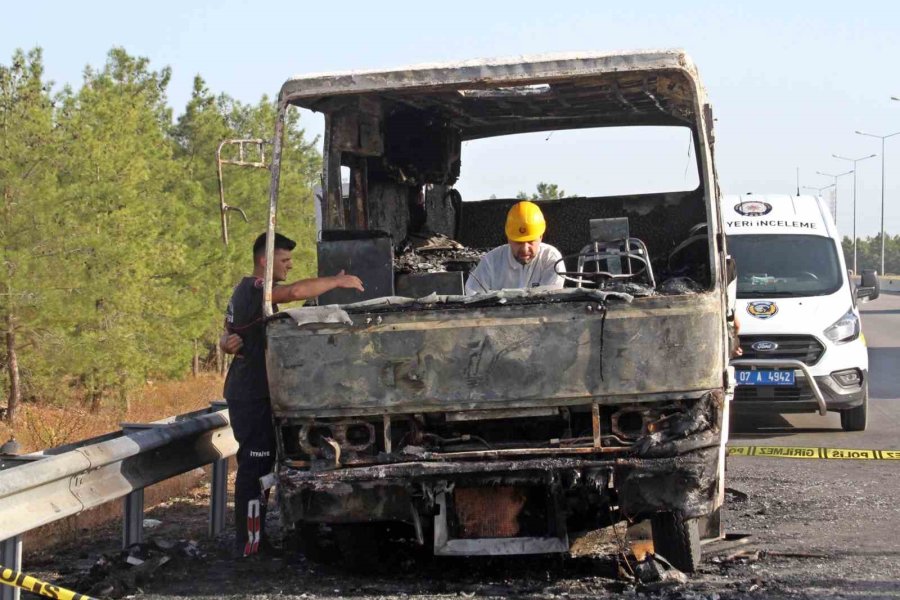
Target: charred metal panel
[684,484]
[348,504]
[357,133]
[368,254]
[420,147]
[496,357]
[485,98]
[419,285]
[441,209]
[643,486]
[389,207]
[333,213]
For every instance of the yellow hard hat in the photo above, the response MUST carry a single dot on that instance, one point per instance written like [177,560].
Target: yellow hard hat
[525,222]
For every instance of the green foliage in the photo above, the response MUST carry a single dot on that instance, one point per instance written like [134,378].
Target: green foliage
[113,262]
[868,253]
[29,241]
[545,191]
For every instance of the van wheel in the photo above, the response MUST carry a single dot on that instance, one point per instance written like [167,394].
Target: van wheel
[854,419]
[677,540]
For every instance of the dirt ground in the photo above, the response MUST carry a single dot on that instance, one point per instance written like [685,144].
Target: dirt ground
[801,544]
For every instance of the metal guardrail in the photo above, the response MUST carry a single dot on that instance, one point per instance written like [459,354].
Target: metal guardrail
[46,486]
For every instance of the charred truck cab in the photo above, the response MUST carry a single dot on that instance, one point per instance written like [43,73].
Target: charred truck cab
[502,422]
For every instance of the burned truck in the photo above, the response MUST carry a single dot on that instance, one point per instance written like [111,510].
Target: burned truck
[502,422]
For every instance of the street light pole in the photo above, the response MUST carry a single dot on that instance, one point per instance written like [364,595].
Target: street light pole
[854,161]
[818,190]
[882,138]
[835,178]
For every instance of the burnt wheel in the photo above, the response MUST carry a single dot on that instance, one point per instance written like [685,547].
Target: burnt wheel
[313,541]
[359,545]
[677,539]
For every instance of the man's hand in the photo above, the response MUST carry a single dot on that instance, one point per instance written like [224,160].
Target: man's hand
[348,281]
[230,343]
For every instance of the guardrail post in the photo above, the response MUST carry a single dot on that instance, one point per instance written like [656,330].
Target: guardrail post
[133,519]
[11,558]
[133,523]
[218,485]
[133,503]
[218,495]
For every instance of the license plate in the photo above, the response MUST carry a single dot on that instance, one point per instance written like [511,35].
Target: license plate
[764,377]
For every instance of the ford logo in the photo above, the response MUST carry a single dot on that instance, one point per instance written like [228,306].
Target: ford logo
[764,346]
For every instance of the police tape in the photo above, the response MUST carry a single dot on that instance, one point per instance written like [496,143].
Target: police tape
[813,453]
[34,585]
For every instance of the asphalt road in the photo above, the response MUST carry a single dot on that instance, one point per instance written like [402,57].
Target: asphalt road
[844,511]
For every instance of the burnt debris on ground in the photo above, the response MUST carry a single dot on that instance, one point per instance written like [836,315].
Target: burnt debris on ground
[115,575]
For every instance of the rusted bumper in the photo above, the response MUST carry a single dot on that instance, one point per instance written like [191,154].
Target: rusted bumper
[685,484]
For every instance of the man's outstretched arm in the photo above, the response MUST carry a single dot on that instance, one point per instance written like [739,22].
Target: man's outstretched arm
[314,287]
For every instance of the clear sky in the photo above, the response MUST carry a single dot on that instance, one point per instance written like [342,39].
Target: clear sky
[789,81]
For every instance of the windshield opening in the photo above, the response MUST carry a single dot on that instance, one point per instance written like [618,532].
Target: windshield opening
[413,199]
[785,265]
[594,162]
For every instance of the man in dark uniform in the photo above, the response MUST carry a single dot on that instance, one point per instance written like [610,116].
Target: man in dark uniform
[247,387]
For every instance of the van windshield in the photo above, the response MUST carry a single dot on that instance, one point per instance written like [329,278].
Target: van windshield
[785,265]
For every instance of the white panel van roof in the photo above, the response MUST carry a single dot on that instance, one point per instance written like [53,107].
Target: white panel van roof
[776,213]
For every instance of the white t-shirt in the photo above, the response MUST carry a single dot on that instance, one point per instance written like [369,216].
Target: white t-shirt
[499,270]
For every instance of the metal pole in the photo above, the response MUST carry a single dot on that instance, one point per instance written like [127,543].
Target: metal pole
[854,221]
[881,272]
[854,161]
[218,495]
[835,178]
[133,503]
[218,485]
[835,198]
[133,519]
[882,138]
[11,558]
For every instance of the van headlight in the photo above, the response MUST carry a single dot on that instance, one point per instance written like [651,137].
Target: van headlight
[845,329]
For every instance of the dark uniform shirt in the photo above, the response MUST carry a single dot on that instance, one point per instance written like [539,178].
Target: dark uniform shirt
[246,379]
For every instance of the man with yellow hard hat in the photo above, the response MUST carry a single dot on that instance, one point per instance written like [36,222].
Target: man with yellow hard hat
[524,262]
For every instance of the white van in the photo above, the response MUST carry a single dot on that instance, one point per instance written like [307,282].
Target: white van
[800,331]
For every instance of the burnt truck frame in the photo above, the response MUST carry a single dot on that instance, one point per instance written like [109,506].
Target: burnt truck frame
[502,422]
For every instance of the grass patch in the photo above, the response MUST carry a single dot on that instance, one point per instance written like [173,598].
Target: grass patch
[43,426]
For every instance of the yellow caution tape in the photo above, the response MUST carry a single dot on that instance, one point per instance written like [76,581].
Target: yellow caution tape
[820,453]
[36,586]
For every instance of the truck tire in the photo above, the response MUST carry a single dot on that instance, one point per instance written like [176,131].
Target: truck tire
[677,540]
[313,542]
[855,419]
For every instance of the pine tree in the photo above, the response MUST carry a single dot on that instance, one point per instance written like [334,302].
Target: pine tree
[118,184]
[113,267]
[28,239]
